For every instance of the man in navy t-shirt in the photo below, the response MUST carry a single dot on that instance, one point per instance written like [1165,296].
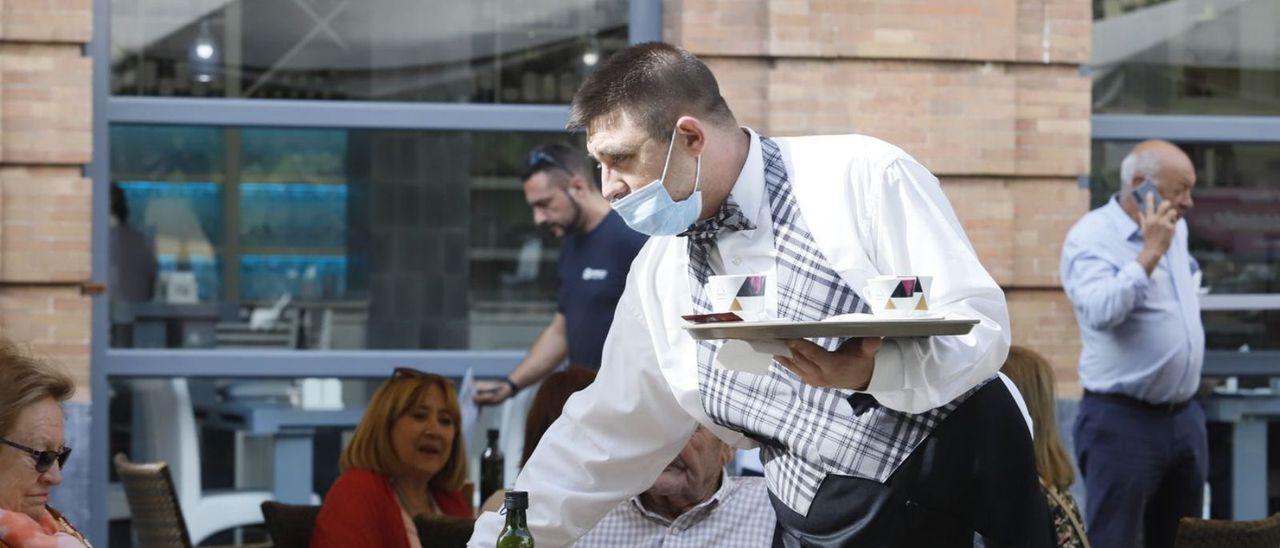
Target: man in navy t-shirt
[596,251]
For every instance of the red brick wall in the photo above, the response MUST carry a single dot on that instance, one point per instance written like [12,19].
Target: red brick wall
[46,224]
[45,104]
[46,137]
[978,30]
[46,21]
[1043,320]
[54,322]
[986,93]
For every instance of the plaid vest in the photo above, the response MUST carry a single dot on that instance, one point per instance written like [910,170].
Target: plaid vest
[805,432]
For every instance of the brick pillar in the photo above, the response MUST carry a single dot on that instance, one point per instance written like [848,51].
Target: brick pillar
[46,137]
[985,93]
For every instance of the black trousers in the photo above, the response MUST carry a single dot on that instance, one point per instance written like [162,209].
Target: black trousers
[972,482]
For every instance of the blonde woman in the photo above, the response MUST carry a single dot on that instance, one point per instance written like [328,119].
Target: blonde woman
[406,460]
[1034,378]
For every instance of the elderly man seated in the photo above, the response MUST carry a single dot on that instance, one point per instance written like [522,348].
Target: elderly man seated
[693,503]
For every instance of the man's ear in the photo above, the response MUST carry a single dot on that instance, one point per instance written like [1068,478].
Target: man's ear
[579,185]
[691,134]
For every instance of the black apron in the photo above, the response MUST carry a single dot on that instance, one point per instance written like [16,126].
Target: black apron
[972,482]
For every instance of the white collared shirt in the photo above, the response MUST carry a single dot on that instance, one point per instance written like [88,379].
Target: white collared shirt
[872,210]
[739,514]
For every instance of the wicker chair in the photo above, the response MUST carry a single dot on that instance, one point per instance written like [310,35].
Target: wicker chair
[1212,533]
[157,516]
[290,525]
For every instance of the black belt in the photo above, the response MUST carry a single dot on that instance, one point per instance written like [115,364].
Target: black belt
[1166,408]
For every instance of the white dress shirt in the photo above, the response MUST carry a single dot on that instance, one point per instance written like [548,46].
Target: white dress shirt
[739,514]
[873,210]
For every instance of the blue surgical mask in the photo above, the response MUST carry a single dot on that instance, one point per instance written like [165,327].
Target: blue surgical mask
[652,211]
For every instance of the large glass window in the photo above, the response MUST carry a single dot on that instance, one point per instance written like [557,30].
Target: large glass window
[326,238]
[1243,330]
[1234,228]
[478,51]
[1186,57]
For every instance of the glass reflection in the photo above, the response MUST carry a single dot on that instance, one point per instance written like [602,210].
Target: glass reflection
[332,239]
[1186,57]
[481,51]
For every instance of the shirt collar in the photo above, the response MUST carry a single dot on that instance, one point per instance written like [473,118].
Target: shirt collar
[694,515]
[748,190]
[1121,220]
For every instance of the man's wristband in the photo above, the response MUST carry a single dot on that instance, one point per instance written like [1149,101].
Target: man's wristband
[514,388]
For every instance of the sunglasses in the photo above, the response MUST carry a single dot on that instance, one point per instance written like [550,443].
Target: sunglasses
[411,373]
[44,459]
[538,158]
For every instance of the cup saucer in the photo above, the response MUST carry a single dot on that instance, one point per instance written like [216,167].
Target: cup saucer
[864,317]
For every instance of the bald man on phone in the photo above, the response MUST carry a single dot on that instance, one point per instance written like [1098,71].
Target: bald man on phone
[1140,437]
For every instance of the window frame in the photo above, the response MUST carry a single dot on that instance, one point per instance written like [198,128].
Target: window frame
[1179,127]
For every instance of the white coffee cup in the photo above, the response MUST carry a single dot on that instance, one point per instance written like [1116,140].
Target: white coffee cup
[742,294]
[898,296]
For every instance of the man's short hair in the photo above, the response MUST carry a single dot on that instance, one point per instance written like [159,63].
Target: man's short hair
[654,83]
[1138,162]
[556,156]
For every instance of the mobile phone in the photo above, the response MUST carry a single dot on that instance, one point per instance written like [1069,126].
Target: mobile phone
[1148,187]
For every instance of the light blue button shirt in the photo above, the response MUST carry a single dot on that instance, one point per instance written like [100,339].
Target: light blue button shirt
[1142,335]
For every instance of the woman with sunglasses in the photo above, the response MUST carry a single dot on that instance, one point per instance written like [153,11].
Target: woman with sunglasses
[406,461]
[32,452]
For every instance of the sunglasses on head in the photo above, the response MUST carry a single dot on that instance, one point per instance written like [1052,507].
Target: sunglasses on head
[407,373]
[44,459]
[538,158]
[411,373]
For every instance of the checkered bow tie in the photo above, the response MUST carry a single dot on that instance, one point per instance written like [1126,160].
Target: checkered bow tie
[729,218]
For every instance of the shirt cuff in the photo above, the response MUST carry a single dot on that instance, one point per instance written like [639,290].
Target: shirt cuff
[888,374]
[1138,279]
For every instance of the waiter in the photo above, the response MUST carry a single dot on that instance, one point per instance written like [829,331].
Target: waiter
[902,442]
[596,250]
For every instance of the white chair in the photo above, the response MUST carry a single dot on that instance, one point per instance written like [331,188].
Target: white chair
[342,327]
[281,333]
[167,432]
[528,262]
[509,419]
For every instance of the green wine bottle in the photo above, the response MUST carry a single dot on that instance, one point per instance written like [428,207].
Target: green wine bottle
[515,534]
[491,464]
